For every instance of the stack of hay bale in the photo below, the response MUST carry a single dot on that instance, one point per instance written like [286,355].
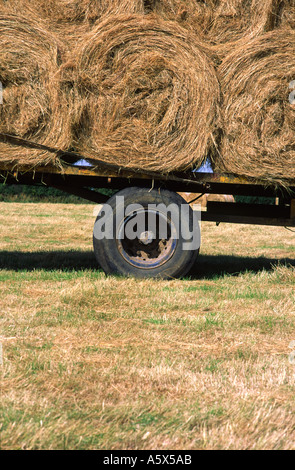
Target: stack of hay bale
[152,84]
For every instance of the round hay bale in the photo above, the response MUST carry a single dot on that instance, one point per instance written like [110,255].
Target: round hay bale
[151,94]
[220,21]
[71,19]
[33,105]
[259,119]
[64,12]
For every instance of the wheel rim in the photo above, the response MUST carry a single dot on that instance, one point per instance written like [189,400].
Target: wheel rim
[148,250]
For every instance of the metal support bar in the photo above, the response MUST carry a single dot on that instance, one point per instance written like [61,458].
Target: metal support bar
[79,178]
[84,193]
[249,210]
[235,219]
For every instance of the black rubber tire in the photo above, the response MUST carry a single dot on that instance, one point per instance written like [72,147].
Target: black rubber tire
[108,254]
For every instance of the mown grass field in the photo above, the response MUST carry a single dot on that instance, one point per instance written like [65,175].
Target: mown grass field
[91,362]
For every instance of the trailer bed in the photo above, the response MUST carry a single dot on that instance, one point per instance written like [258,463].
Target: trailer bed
[85,181]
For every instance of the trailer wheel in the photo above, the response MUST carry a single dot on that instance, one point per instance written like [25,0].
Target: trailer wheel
[128,234]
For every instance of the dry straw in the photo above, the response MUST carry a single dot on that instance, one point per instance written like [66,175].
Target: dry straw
[151,95]
[64,12]
[287,14]
[259,120]
[140,89]
[71,19]
[33,105]
[221,22]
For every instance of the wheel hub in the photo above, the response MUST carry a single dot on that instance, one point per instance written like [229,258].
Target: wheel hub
[148,250]
[147,237]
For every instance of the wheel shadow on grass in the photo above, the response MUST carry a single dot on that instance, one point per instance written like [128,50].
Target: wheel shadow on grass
[207,266]
[211,267]
[48,261]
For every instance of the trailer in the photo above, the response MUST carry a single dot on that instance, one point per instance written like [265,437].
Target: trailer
[150,254]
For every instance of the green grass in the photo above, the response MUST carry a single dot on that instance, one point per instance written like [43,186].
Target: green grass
[97,362]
